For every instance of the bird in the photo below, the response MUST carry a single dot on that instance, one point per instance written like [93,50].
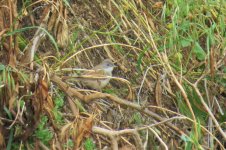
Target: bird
[99,76]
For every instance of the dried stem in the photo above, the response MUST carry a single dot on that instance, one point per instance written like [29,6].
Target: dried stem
[87,98]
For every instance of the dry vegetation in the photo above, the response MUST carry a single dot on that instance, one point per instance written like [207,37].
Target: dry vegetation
[167,92]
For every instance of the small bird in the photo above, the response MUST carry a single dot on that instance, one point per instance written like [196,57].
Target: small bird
[99,76]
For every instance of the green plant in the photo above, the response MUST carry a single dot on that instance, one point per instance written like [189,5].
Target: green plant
[59,102]
[89,144]
[42,132]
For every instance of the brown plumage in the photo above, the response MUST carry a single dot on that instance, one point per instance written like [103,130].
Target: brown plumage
[99,76]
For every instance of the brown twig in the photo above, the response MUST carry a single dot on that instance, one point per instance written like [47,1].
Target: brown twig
[183,92]
[87,98]
[113,135]
[194,86]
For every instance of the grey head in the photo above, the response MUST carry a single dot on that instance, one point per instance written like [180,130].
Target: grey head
[107,65]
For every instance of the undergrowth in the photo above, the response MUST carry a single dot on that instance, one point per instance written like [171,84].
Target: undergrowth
[168,89]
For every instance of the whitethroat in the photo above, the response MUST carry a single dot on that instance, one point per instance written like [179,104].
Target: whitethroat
[99,76]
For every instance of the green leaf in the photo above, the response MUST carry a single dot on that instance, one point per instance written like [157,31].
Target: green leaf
[9,81]
[59,102]
[136,118]
[66,3]
[22,103]
[224,69]
[36,27]
[69,144]
[2,67]
[109,91]
[140,57]
[4,76]
[42,132]
[185,138]
[178,58]
[44,135]
[21,41]
[89,144]
[199,52]
[185,43]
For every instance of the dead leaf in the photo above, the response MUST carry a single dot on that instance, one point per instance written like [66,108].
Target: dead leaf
[2,139]
[13,94]
[130,95]
[127,147]
[158,5]
[84,130]
[42,90]
[158,92]
[212,62]
[40,96]
[62,35]
[64,132]
[52,20]
[73,107]
[150,21]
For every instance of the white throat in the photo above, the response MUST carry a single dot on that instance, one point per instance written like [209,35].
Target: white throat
[109,70]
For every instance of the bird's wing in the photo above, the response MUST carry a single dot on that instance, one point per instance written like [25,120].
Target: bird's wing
[94,74]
